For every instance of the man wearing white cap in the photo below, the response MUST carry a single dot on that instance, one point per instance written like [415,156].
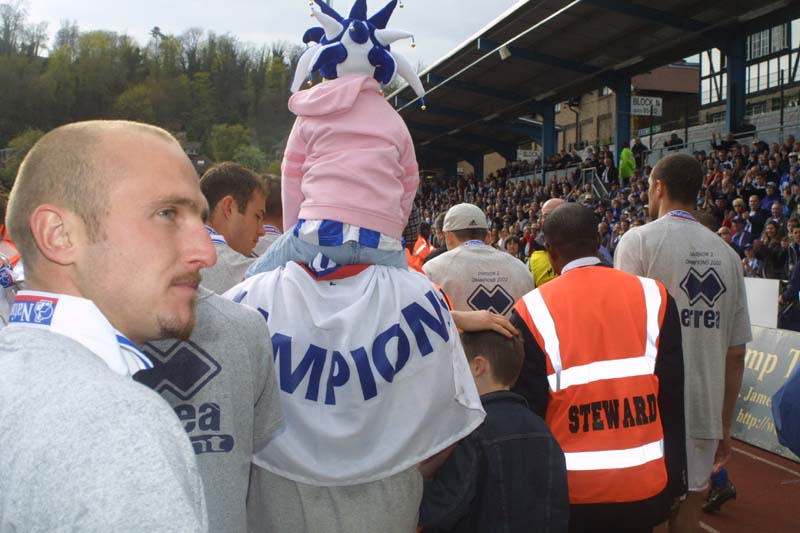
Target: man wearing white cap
[474,275]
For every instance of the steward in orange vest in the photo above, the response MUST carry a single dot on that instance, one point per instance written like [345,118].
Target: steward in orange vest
[423,246]
[604,368]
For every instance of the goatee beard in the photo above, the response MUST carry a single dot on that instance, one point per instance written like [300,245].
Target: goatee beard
[175,329]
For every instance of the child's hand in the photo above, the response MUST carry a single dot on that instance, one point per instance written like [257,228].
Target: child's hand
[483,321]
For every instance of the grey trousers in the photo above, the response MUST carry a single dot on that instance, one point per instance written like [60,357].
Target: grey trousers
[279,505]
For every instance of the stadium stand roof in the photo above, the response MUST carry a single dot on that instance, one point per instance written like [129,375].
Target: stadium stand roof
[485,95]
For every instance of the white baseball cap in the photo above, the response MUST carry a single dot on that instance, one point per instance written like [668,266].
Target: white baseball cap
[464,216]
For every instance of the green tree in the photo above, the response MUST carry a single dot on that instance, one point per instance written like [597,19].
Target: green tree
[251,157]
[60,80]
[203,111]
[186,83]
[171,97]
[135,104]
[226,139]
[100,77]
[20,145]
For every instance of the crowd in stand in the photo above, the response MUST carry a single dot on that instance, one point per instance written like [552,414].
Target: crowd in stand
[750,196]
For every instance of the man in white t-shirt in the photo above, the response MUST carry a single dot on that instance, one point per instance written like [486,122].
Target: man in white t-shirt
[476,276]
[236,201]
[705,277]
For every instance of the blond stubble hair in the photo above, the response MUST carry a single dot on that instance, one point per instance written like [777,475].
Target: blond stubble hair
[68,167]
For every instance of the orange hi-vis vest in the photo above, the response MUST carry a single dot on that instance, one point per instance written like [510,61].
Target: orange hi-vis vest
[422,248]
[599,329]
[414,262]
[8,248]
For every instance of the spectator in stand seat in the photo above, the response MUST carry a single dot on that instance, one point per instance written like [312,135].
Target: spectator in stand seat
[739,208]
[771,197]
[753,267]
[717,208]
[771,250]
[740,236]
[639,150]
[513,248]
[756,217]
[778,218]
[792,199]
[772,173]
[726,144]
[793,251]
[727,236]
[790,176]
[674,142]
[760,146]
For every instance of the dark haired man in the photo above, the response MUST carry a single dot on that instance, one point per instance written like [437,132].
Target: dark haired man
[611,389]
[474,275]
[705,276]
[236,202]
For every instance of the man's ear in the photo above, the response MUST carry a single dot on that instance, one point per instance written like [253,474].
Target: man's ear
[227,205]
[660,190]
[57,232]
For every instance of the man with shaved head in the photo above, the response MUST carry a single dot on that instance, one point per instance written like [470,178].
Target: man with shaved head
[108,218]
[603,366]
[539,263]
[706,278]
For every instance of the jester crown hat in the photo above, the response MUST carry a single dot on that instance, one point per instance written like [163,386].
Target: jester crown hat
[354,45]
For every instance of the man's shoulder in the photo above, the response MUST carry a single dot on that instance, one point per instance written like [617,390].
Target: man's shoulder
[433,266]
[228,257]
[213,310]
[75,382]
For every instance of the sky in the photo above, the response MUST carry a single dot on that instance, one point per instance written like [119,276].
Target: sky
[438,25]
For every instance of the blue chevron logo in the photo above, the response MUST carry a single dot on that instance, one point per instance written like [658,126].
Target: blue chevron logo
[183,369]
[707,286]
[495,299]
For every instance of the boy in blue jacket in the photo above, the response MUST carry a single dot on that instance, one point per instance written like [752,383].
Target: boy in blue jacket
[507,475]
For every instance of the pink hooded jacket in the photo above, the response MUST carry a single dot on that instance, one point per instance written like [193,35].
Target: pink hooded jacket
[349,158]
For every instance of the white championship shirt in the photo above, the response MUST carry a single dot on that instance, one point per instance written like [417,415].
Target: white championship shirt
[372,374]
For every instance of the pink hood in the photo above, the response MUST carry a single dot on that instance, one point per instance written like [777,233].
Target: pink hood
[333,96]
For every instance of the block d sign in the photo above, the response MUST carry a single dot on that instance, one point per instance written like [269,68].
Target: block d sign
[641,105]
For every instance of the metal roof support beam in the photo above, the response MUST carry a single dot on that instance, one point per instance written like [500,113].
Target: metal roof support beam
[476,160]
[433,79]
[485,45]
[509,153]
[452,169]
[623,115]
[736,50]
[650,14]
[549,137]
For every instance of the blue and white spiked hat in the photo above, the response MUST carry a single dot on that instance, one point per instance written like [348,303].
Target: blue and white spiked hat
[354,45]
